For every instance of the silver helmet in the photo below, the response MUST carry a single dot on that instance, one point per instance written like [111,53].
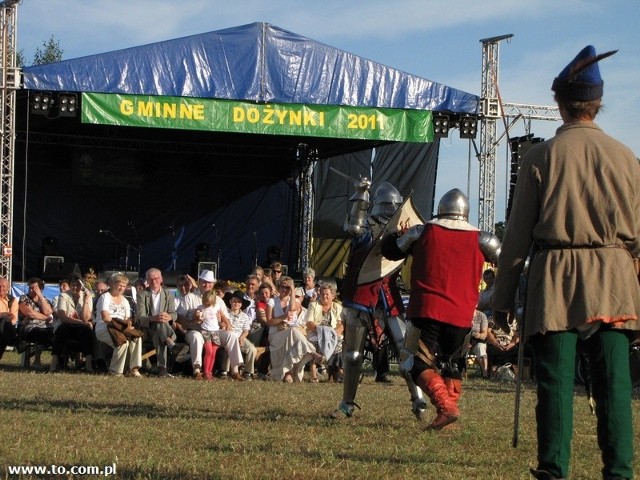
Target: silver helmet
[454,205]
[386,200]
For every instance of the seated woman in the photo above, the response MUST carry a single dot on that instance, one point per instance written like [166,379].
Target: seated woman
[36,318]
[324,330]
[289,348]
[74,324]
[113,310]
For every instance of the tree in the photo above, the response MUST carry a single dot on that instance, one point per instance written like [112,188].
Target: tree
[20,59]
[49,52]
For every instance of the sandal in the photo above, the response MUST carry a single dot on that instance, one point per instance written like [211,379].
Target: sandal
[314,380]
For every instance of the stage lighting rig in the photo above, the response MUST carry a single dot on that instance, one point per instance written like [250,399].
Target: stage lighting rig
[440,125]
[54,105]
[468,126]
[42,103]
[67,104]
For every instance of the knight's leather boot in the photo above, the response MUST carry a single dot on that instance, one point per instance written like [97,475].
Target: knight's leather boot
[433,385]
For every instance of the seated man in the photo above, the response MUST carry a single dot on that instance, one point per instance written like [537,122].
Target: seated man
[36,318]
[156,311]
[478,343]
[502,346]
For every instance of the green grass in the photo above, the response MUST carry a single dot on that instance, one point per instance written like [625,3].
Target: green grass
[179,428]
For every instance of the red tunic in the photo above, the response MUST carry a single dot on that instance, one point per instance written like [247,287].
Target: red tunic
[445,275]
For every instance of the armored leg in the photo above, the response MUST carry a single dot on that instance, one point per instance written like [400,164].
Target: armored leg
[405,337]
[356,325]
[355,334]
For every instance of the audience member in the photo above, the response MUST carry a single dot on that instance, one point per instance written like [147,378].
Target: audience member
[502,345]
[263,311]
[324,326]
[99,288]
[215,328]
[35,324]
[289,348]
[113,310]
[8,316]
[101,351]
[309,286]
[241,326]
[479,329]
[258,271]
[156,312]
[73,323]
[484,299]
[276,273]
[189,303]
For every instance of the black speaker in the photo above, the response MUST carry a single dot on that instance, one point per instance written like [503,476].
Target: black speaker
[169,279]
[56,271]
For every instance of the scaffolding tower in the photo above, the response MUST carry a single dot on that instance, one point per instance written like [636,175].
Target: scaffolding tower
[10,82]
[492,109]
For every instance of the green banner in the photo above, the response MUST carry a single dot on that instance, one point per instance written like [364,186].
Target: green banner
[214,115]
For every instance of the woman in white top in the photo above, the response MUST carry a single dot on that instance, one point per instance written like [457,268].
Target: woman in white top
[290,350]
[111,307]
[72,323]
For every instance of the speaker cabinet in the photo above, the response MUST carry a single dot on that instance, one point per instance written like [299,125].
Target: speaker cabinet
[56,271]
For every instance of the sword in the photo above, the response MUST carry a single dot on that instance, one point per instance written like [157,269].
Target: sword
[516,410]
[344,175]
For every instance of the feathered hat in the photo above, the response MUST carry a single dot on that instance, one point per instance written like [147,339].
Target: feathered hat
[581,80]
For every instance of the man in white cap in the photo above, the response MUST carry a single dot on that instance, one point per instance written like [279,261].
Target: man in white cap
[577,207]
[194,338]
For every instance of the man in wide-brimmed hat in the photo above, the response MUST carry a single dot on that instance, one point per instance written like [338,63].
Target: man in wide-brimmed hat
[577,203]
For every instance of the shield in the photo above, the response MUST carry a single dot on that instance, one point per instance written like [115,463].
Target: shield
[375,265]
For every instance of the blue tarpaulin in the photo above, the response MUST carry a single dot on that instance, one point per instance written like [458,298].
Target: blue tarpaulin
[256,62]
[199,183]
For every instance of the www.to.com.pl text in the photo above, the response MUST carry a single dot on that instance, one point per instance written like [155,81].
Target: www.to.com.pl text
[106,470]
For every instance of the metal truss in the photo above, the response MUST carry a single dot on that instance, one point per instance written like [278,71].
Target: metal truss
[307,159]
[10,82]
[492,109]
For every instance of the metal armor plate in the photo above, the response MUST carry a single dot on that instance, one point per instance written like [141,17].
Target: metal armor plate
[375,265]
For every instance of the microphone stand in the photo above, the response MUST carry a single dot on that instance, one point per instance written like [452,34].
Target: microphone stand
[218,251]
[132,224]
[121,242]
[174,251]
[255,249]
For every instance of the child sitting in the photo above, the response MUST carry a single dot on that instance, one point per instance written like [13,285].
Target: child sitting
[214,329]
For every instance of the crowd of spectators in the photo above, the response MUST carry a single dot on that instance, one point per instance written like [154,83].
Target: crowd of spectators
[268,328]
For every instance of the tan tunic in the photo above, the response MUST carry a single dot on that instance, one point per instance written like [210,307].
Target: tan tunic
[578,198]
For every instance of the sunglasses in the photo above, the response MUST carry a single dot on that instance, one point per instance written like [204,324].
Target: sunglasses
[277,271]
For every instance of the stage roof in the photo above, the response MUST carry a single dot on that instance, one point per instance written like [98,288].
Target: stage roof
[233,191]
[255,62]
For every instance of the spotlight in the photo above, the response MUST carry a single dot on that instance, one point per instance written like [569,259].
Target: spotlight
[440,126]
[67,104]
[41,103]
[468,127]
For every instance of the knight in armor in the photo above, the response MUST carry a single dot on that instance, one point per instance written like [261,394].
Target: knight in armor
[377,299]
[448,258]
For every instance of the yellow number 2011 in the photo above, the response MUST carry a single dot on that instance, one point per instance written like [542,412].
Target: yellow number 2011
[362,122]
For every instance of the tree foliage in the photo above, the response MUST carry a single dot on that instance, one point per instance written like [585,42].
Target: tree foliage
[49,52]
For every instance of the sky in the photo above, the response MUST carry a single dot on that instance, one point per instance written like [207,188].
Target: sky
[436,40]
